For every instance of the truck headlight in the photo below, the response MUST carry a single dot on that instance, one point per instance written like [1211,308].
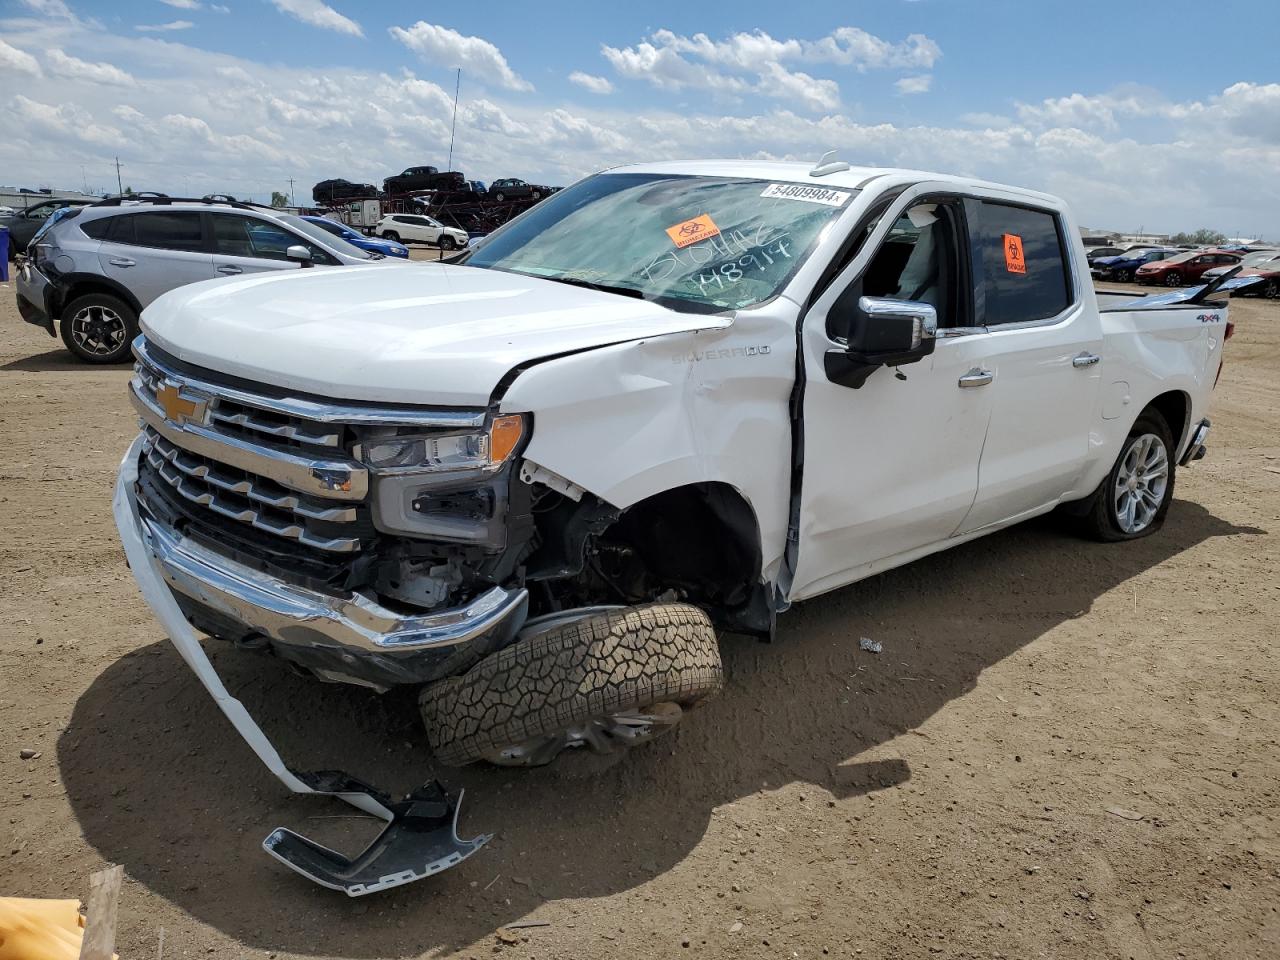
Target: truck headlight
[403,453]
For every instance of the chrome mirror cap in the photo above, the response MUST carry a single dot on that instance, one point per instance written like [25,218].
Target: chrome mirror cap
[923,316]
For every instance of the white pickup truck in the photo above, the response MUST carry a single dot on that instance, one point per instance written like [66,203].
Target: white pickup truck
[674,398]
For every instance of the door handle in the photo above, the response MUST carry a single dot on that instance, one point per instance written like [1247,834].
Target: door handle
[1085,360]
[121,262]
[977,378]
[230,269]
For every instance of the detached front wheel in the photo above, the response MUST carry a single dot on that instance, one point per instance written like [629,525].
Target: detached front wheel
[606,682]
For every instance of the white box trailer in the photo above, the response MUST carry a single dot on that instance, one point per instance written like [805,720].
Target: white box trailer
[361,214]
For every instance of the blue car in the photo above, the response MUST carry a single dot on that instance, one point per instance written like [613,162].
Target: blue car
[1125,266]
[388,248]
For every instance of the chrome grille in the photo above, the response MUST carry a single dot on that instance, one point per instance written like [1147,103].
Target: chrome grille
[247,498]
[285,465]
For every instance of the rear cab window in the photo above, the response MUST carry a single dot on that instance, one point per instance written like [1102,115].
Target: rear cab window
[1020,263]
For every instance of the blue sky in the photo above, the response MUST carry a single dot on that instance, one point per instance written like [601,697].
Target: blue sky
[1164,117]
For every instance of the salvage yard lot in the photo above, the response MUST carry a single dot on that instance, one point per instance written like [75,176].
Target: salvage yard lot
[973,791]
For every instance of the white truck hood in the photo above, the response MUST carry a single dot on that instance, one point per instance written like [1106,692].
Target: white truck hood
[427,334]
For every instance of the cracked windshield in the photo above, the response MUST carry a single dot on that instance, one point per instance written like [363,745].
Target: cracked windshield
[701,244]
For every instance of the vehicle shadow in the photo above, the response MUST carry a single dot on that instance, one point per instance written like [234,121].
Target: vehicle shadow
[52,361]
[162,784]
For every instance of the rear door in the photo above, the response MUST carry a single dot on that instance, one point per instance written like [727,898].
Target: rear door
[153,251]
[244,244]
[1043,353]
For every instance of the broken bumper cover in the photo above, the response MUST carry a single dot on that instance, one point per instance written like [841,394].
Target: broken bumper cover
[420,838]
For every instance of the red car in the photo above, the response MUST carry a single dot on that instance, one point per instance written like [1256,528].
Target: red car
[1268,286]
[1185,268]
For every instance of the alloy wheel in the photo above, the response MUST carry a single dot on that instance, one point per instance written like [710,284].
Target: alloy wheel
[1142,480]
[99,331]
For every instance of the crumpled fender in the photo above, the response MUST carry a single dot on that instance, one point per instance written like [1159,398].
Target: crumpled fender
[634,419]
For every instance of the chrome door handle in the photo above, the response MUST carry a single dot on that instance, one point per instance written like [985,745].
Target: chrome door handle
[121,262]
[977,378]
[1085,360]
[230,269]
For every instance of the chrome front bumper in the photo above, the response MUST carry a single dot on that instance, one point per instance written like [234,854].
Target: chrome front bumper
[344,636]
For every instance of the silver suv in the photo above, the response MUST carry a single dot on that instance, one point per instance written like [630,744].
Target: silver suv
[96,268]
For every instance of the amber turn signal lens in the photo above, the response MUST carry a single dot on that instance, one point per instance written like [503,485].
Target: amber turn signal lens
[504,436]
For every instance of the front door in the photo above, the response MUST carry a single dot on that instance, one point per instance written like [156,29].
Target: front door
[892,466]
[244,244]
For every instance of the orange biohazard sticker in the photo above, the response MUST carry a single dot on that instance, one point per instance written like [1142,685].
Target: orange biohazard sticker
[691,231]
[1013,259]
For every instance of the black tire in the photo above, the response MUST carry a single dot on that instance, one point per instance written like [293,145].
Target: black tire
[517,705]
[99,328]
[537,194]
[499,197]
[1102,519]
[1126,276]
[447,243]
[1272,290]
[391,235]
[1173,279]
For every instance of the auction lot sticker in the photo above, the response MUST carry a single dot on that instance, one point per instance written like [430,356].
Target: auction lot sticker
[691,231]
[798,191]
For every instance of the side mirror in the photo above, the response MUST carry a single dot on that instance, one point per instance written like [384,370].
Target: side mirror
[299,253]
[882,332]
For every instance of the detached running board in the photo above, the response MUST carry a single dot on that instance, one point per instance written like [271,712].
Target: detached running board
[420,840]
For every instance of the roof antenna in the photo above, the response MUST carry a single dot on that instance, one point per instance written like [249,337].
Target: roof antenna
[826,165]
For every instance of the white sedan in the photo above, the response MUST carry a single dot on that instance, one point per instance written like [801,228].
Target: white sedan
[412,226]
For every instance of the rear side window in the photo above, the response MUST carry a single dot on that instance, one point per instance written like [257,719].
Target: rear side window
[171,231]
[1020,263]
[98,229]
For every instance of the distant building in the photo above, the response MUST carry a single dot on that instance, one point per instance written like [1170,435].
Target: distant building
[14,197]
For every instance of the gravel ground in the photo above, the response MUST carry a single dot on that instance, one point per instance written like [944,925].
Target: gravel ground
[1066,749]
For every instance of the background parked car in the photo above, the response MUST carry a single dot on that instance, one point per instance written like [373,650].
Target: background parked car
[331,191]
[413,226]
[1184,268]
[1097,253]
[1268,284]
[513,189]
[423,178]
[98,267]
[388,248]
[1122,268]
[1257,260]
[24,224]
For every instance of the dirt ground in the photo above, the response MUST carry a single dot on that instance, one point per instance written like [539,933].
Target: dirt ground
[951,797]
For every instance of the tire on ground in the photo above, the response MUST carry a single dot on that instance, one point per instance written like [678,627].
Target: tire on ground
[1099,522]
[116,305]
[615,662]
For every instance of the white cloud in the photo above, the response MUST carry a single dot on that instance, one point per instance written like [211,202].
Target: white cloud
[13,60]
[443,47]
[319,14]
[169,27]
[50,8]
[754,62]
[591,83]
[271,122]
[183,4]
[64,65]
[916,84]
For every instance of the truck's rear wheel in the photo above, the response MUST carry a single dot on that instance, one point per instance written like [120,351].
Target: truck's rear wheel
[607,682]
[1135,496]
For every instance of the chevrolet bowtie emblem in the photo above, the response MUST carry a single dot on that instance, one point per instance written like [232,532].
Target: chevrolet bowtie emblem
[178,408]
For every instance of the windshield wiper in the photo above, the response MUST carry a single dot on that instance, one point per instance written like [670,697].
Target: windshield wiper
[603,287]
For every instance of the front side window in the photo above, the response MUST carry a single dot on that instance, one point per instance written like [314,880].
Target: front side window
[170,231]
[1020,264]
[700,244]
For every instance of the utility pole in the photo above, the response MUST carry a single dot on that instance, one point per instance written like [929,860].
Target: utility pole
[292,202]
[456,89]
[119,182]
